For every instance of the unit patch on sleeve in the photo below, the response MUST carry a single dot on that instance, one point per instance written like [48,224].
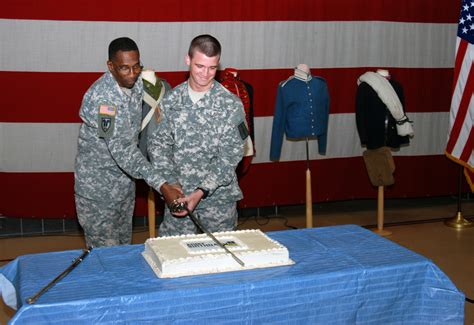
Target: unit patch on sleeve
[106,120]
[243,130]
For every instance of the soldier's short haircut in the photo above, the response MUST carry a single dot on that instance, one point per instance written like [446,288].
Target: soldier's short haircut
[121,44]
[205,44]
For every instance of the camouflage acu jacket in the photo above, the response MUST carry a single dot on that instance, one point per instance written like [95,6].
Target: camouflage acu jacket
[108,158]
[200,145]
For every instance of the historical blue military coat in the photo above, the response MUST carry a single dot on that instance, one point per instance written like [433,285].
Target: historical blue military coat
[301,111]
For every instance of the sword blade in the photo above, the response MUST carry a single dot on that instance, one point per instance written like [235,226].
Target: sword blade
[32,299]
[207,232]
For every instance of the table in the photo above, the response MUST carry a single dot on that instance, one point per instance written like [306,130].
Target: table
[343,274]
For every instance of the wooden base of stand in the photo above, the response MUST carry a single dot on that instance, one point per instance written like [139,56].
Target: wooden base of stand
[380,216]
[382,232]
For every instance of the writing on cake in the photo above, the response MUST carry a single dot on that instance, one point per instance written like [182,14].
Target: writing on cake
[204,245]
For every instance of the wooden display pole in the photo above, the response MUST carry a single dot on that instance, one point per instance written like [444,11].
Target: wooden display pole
[380,214]
[309,196]
[309,201]
[151,213]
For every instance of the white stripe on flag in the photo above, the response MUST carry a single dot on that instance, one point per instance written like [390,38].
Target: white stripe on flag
[38,147]
[51,147]
[459,86]
[82,46]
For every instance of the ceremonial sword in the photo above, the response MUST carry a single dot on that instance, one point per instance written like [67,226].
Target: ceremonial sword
[207,232]
[78,260]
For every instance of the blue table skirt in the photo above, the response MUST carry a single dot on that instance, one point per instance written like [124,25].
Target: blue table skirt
[343,274]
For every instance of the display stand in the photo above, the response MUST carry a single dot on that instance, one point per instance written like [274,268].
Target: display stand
[382,125]
[458,221]
[309,196]
[302,112]
[151,213]
[380,213]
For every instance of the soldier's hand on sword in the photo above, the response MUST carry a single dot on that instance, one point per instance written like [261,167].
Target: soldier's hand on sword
[171,192]
[178,206]
[193,199]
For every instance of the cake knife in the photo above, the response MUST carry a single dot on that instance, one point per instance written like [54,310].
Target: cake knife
[207,232]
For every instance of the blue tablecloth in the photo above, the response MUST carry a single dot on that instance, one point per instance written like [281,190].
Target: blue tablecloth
[343,274]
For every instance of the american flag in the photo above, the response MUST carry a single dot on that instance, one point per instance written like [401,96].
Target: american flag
[53,50]
[107,110]
[461,136]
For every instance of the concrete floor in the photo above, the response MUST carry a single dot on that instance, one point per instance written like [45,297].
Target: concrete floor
[416,224]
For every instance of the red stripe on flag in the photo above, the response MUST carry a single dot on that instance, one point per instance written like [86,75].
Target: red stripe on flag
[461,52]
[461,112]
[64,106]
[467,151]
[51,195]
[242,10]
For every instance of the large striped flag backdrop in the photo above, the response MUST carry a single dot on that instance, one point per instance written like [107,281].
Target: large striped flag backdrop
[461,137]
[52,50]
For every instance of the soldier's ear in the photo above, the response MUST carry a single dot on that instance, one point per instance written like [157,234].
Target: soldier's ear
[187,59]
[110,66]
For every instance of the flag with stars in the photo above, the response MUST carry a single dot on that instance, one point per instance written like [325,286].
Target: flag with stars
[461,134]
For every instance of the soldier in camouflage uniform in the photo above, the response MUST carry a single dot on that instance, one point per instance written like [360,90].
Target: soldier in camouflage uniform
[108,158]
[199,142]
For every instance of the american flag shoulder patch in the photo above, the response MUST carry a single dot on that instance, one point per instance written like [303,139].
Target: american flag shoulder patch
[107,110]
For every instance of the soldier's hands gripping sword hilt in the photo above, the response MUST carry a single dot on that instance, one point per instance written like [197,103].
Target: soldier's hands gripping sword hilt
[171,194]
[177,206]
[181,206]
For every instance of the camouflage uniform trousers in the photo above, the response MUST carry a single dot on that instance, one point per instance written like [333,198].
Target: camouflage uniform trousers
[221,218]
[106,224]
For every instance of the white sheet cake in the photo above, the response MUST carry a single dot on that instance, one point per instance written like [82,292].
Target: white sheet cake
[184,255]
